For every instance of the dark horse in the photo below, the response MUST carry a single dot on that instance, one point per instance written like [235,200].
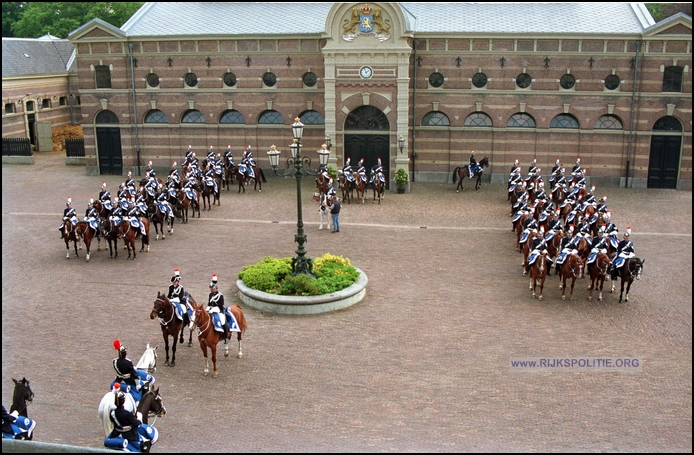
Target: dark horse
[110,228]
[379,188]
[21,399]
[631,270]
[209,337]
[171,326]
[243,178]
[598,273]
[209,196]
[70,235]
[183,202]
[571,268]
[322,183]
[129,234]
[461,172]
[159,220]
[151,406]
[87,233]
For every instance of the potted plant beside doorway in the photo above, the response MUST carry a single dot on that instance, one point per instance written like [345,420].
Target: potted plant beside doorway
[401,179]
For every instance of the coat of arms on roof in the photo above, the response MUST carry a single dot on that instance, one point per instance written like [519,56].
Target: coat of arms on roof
[367,19]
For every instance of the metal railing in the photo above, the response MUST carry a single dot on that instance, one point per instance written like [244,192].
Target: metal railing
[12,146]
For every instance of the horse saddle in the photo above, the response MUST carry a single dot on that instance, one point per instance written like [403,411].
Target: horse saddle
[21,426]
[191,194]
[524,236]
[107,204]
[209,181]
[94,224]
[134,222]
[533,256]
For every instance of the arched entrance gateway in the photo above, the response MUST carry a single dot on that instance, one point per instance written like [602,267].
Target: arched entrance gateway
[367,58]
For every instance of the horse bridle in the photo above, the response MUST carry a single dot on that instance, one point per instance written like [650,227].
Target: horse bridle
[173,312]
[154,415]
[197,323]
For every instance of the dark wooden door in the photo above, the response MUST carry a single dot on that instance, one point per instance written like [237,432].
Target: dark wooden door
[663,166]
[109,150]
[370,147]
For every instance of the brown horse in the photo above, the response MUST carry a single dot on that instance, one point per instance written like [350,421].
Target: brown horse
[259,176]
[360,187]
[171,326]
[571,268]
[379,188]
[322,183]
[129,234]
[347,188]
[85,231]
[69,235]
[208,193]
[184,202]
[598,273]
[209,337]
[110,228]
[538,273]
[461,172]
[159,220]
[631,270]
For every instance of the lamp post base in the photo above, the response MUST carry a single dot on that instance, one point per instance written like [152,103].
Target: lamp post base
[302,266]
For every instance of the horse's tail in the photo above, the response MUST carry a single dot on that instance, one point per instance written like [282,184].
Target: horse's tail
[240,318]
[455,174]
[262,175]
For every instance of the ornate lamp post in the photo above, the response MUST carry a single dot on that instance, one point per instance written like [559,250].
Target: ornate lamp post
[401,143]
[302,165]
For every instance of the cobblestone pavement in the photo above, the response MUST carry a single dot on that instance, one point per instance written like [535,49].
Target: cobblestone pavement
[421,364]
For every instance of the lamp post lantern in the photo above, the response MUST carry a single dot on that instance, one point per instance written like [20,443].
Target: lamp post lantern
[302,165]
[401,143]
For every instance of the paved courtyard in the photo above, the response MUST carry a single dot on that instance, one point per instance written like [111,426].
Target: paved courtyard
[421,364]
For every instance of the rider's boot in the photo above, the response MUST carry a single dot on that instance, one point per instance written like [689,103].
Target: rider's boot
[186,320]
[549,268]
[226,334]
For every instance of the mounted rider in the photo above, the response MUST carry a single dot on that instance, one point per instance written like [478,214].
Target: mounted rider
[248,162]
[189,155]
[361,171]
[532,169]
[577,167]
[515,168]
[69,214]
[162,200]
[125,370]
[569,245]
[347,170]
[529,224]
[229,162]
[473,167]
[215,307]
[210,177]
[625,250]
[538,247]
[129,182]
[134,213]
[92,217]
[597,245]
[125,423]
[177,296]
[377,171]
[556,170]
[105,197]
[211,156]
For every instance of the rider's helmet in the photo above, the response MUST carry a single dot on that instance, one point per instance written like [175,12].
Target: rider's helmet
[122,351]
[472,152]
[103,185]
[601,231]
[213,283]
[91,202]
[69,202]
[571,229]
[379,161]
[130,174]
[534,160]
[173,167]
[121,186]
[627,233]
[149,165]
[347,161]
[176,276]
[578,160]
[515,163]
[557,162]
[361,161]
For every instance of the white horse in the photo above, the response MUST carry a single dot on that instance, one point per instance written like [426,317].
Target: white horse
[323,210]
[148,362]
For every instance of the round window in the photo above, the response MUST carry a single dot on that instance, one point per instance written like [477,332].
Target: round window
[230,79]
[152,80]
[436,79]
[479,80]
[567,81]
[611,82]
[523,80]
[191,80]
[310,79]
[269,79]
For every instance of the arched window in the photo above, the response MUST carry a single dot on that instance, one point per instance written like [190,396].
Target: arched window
[312,118]
[367,118]
[436,118]
[106,117]
[478,119]
[232,116]
[193,116]
[521,120]
[564,121]
[156,116]
[271,118]
[608,122]
[668,124]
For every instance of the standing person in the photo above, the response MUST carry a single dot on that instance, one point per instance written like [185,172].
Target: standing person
[335,212]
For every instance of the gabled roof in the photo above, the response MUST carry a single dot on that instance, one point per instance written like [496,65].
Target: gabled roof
[35,57]
[670,23]
[203,18]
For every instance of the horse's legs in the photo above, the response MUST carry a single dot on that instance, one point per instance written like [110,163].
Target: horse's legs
[166,348]
[173,349]
[573,281]
[621,292]
[213,348]
[601,281]
[206,370]
[626,296]
[240,353]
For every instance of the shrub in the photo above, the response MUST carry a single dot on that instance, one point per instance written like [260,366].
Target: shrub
[333,273]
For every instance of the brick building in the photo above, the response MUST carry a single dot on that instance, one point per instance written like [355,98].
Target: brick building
[39,87]
[512,81]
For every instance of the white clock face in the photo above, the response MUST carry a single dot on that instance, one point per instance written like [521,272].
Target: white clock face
[365,72]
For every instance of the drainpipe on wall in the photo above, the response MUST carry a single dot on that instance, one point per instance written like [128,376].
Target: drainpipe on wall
[137,137]
[414,107]
[631,120]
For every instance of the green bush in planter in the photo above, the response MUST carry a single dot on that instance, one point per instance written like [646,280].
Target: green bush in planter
[333,273]
[401,177]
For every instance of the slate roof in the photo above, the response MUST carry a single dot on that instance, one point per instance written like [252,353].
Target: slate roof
[203,18]
[34,57]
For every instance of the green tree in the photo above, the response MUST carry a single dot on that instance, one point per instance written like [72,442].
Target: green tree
[11,12]
[661,11]
[61,18]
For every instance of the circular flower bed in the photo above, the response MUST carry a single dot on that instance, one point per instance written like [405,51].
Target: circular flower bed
[274,276]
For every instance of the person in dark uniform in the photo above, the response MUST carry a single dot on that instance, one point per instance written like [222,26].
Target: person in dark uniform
[125,370]
[625,250]
[347,170]
[473,163]
[515,167]
[125,423]
[176,294]
[129,182]
[577,167]
[104,194]
[215,304]
[92,215]
[537,247]
[7,420]
[69,214]
[533,167]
